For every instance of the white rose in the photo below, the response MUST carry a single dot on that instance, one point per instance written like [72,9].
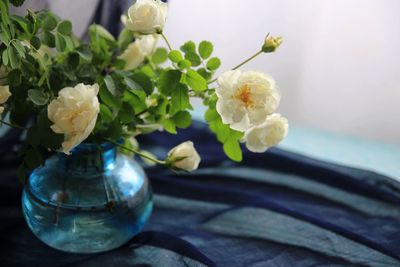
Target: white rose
[4,96]
[4,93]
[270,133]
[74,114]
[184,157]
[137,51]
[147,16]
[246,99]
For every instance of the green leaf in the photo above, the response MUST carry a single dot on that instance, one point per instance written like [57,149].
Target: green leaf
[175,56]
[49,39]
[69,43]
[105,114]
[159,56]
[205,74]
[65,27]
[213,63]
[179,99]
[184,64]
[196,81]
[35,42]
[232,149]
[15,61]
[84,52]
[73,60]
[60,43]
[14,77]
[132,85]
[49,23]
[108,99]
[193,58]
[101,32]
[4,57]
[182,119]
[169,126]
[205,49]
[115,130]
[108,80]
[126,114]
[20,48]
[168,81]
[188,47]
[144,81]
[125,38]
[23,23]
[38,97]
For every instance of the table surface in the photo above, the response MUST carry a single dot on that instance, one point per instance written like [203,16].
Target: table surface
[277,208]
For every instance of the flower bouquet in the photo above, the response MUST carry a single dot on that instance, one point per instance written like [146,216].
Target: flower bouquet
[82,100]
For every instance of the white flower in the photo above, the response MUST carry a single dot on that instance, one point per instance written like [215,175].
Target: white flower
[137,51]
[4,96]
[4,93]
[147,16]
[74,114]
[184,157]
[270,133]
[246,99]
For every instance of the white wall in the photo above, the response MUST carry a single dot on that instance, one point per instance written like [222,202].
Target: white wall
[338,68]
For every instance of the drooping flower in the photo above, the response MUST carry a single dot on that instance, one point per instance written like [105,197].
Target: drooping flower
[268,134]
[137,51]
[74,114]
[184,157]
[147,16]
[245,99]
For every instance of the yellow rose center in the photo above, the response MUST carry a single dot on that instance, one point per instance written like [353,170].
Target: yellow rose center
[244,96]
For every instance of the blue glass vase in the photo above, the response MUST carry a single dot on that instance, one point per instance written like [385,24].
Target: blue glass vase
[93,200]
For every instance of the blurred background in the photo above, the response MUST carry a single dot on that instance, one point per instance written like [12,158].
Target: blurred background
[338,68]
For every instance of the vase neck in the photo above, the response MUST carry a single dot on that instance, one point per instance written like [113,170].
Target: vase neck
[89,158]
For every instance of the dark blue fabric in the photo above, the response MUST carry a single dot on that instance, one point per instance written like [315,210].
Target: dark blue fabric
[277,208]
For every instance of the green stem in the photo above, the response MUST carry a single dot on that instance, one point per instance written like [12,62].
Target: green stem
[166,41]
[137,152]
[241,64]
[13,125]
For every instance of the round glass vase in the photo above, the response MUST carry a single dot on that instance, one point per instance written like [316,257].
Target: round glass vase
[93,200]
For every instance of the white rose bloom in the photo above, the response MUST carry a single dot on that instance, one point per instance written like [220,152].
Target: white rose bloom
[137,51]
[4,96]
[190,160]
[245,99]
[74,114]
[268,134]
[4,93]
[146,16]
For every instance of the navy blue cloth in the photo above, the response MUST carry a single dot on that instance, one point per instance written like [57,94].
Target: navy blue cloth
[273,209]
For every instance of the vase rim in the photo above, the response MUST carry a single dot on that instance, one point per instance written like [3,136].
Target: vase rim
[94,147]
